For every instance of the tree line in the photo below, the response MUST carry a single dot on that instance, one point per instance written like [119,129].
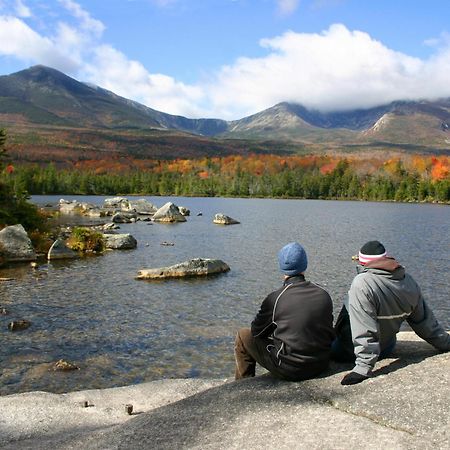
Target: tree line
[14,205]
[340,179]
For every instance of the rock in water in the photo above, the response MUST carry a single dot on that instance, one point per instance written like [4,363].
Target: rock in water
[192,268]
[168,213]
[143,206]
[119,241]
[64,365]
[124,217]
[15,245]
[222,219]
[19,325]
[184,211]
[59,250]
[116,202]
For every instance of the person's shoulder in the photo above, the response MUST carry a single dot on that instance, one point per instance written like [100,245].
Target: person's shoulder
[360,280]
[274,294]
[319,287]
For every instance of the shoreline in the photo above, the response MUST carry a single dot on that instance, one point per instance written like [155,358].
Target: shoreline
[397,408]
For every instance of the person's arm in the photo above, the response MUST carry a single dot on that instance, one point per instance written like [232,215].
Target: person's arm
[365,331]
[426,326]
[263,325]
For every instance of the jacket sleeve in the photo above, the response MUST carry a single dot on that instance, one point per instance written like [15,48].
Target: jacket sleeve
[263,325]
[364,324]
[426,326]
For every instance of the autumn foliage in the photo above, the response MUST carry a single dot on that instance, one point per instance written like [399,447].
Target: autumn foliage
[369,176]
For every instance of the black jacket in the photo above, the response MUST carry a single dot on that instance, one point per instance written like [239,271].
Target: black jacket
[298,318]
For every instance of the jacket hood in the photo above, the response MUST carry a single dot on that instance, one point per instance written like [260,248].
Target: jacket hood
[386,266]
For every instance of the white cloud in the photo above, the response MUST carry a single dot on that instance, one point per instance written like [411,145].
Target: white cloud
[86,21]
[112,70]
[97,63]
[22,10]
[287,7]
[337,69]
[19,40]
[16,8]
[442,41]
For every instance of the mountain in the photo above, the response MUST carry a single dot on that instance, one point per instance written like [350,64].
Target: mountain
[43,95]
[50,113]
[410,123]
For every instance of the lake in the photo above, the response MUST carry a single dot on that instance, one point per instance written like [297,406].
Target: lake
[121,331]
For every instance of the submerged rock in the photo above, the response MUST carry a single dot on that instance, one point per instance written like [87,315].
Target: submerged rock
[59,250]
[124,217]
[15,245]
[64,365]
[108,227]
[222,219]
[192,268]
[119,241]
[19,325]
[168,213]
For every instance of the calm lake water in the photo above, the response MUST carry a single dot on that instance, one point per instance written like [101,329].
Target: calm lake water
[120,331]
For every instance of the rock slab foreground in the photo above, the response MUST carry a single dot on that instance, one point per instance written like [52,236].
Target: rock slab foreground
[398,408]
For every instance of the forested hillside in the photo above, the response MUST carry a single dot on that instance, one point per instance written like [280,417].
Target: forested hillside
[414,178]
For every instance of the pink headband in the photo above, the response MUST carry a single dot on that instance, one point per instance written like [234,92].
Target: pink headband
[364,259]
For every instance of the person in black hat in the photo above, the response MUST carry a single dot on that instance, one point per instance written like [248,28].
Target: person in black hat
[292,333]
[381,297]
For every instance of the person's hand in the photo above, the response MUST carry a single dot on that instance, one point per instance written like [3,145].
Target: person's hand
[353,378]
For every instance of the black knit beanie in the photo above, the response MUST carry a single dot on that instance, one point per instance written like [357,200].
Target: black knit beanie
[370,251]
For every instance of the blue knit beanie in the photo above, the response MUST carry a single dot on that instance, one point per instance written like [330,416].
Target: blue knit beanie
[292,259]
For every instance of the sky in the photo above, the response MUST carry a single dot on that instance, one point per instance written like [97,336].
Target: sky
[231,58]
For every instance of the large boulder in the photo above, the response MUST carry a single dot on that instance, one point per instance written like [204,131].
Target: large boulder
[124,217]
[142,206]
[222,219]
[15,245]
[116,202]
[192,268]
[119,241]
[59,250]
[84,208]
[69,206]
[168,213]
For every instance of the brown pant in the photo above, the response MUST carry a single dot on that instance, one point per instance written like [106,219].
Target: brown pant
[249,350]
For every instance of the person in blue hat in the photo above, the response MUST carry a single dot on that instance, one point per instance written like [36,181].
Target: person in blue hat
[292,333]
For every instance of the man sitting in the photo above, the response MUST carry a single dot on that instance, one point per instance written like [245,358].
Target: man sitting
[381,297]
[292,333]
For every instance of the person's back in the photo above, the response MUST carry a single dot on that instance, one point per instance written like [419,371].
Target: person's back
[381,297]
[393,293]
[301,317]
[292,333]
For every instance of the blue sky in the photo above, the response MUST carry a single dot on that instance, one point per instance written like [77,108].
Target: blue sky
[232,58]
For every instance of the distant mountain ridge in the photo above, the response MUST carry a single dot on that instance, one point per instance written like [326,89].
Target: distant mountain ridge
[44,96]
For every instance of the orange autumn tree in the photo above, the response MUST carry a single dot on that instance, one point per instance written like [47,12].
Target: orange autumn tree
[440,168]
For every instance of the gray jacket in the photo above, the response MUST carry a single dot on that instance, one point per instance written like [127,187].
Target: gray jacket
[380,298]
